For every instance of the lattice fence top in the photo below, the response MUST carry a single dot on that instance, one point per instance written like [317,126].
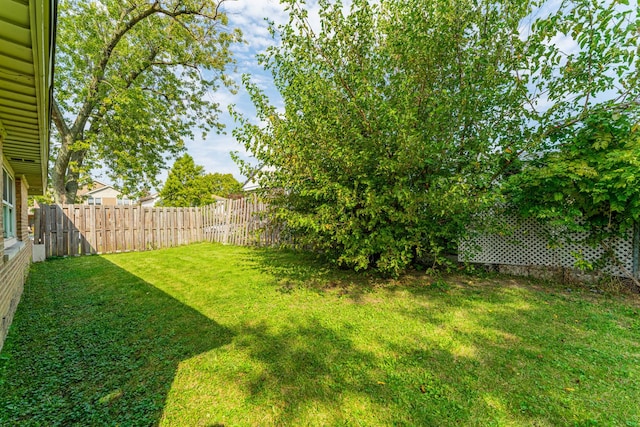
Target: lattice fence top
[526,242]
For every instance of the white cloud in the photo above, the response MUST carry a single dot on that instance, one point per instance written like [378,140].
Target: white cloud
[566,44]
[249,16]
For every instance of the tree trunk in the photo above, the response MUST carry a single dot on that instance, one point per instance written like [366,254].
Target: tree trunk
[59,172]
[73,176]
[65,175]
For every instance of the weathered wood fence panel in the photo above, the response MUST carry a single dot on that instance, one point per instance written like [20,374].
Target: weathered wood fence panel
[82,229]
[240,222]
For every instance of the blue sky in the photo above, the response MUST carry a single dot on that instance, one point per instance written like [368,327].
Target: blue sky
[249,15]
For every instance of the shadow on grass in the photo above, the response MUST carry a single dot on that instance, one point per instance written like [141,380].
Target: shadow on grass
[499,353]
[92,344]
[96,345]
[297,269]
[314,374]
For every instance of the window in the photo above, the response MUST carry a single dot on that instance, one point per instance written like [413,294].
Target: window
[8,204]
[124,202]
[95,200]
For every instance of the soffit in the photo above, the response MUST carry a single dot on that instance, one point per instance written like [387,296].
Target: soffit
[27,29]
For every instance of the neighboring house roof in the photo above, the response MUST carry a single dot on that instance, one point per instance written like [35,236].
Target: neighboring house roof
[99,190]
[107,191]
[103,188]
[150,197]
[250,184]
[150,200]
[95,185]
[27,45]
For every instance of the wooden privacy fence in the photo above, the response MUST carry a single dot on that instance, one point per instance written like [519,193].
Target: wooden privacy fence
[239,222]
[82,229]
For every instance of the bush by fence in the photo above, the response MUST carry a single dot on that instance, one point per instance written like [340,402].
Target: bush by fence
[81,230]
[528,243]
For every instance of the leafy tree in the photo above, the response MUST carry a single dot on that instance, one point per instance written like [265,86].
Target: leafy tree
[185,185]
[590,182]
[399,118]
[584,167]
[131,80]
[223,185]
[188,185]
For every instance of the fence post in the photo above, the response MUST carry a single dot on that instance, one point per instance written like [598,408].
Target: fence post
[636,250]
[37,230]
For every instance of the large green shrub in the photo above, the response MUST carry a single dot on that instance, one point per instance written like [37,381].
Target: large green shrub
[398,116]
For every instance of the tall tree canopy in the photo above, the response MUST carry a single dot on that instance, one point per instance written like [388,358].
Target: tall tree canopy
[131,84]
[223,185]
[586,170]
[403,119]
[188,185]
[398,117]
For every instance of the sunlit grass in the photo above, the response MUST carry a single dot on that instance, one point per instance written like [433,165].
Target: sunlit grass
[214,335]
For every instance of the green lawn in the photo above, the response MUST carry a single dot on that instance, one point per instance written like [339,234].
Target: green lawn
[214,335]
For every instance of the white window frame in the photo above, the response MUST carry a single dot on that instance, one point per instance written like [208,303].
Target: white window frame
[97,201]
[9,215]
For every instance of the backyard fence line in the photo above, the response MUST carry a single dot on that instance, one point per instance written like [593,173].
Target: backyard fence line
[68,230]
[241,222]
[527,243]
[85,230]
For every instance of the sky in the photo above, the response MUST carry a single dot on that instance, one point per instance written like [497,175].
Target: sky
[249,16]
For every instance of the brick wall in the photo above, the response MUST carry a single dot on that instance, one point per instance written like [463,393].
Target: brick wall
[13,273]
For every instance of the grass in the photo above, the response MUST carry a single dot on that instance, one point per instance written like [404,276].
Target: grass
[209,335]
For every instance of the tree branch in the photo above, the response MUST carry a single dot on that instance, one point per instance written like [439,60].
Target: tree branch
[311,34]
[58,119]
[99,70]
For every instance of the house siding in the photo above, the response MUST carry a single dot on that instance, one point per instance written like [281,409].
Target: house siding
[14,268]
[1,210]
[13,274]
[108,196]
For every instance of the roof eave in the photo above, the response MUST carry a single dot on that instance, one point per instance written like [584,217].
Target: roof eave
[43,17]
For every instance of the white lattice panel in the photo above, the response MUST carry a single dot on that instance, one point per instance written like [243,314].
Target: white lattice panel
[525,242]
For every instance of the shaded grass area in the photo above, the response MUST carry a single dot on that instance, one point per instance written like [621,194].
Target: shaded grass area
[214,335]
